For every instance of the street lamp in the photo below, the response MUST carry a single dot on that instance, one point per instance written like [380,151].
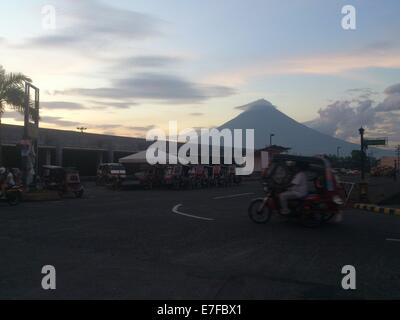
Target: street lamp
[362,131]
[270,138]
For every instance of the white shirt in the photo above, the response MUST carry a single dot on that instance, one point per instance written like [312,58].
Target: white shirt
[10,179]
[300,184]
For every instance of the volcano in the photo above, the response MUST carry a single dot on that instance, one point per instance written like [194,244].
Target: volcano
[266,119]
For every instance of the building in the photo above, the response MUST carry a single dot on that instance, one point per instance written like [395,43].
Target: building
[83,151]
[261,162]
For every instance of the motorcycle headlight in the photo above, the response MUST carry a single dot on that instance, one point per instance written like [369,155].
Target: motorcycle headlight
[337,200]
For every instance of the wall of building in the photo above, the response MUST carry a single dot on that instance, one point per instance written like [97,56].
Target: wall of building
[72,149]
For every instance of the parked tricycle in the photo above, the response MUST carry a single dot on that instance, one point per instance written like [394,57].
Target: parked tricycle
[150,177]
[62,180]
[111,174]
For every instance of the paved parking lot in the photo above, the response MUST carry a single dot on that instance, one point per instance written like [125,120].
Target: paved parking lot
[196,244]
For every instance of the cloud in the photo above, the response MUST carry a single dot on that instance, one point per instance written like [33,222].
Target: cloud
[59,121]
[391,103]
[149,61]
[14,115]
[106,126]
[196,114]
[392,100]
[363,93]
[142,129]
[54,41]
[109,128]
[113,104]
[256,105]
[342,119]
[61,105]
[394,89]
[151,86]
[327,64]
[92,23]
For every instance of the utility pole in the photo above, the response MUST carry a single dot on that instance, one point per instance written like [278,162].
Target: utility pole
[362,131]
[29,143]
[397,166]
[338,151]
[363,185]
[398,153]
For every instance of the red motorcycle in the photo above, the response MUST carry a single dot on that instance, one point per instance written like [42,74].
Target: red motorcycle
[311,211]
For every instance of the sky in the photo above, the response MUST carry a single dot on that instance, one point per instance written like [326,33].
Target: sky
[123,67]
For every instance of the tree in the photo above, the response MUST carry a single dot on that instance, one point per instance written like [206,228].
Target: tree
[12,94]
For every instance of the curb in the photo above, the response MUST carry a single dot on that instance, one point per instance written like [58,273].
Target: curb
[41,196]
[377,209]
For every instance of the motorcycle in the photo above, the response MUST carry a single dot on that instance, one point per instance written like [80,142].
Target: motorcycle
[12,195]
[312,210]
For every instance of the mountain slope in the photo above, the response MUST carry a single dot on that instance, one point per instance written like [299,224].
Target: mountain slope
[262,116]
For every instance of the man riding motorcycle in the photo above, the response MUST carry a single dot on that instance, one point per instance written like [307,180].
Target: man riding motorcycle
[2,180]
[6,180]
[297,189]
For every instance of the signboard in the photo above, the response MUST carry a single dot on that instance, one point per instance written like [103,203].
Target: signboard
[375,142]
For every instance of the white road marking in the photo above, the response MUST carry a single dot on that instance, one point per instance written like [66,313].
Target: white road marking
[394,240]
[234,196]
[176,210]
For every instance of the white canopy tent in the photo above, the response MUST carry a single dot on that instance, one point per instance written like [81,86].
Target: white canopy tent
[141,158]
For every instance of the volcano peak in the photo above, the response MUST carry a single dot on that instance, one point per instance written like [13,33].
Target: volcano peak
[257,105]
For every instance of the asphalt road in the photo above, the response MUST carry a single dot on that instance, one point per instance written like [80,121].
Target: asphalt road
[142,245]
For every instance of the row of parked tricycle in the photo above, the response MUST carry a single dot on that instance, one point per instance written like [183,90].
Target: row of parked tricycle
[170,176]
[52,180]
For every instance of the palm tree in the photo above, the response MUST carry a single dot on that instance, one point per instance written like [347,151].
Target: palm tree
[12,94]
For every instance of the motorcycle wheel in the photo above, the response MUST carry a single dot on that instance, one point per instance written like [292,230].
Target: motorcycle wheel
[13,199]
[79,194]
[258,212]
[312,219]
[326,217]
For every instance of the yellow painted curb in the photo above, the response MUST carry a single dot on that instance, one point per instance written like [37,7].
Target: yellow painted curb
[377,209]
